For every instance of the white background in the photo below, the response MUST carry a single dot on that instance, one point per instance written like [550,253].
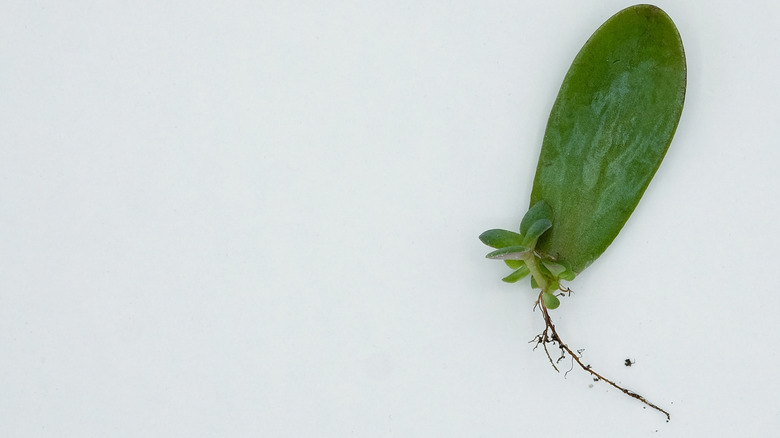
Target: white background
[232,218]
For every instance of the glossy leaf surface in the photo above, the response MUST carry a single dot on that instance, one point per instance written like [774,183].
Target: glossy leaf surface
[608,132]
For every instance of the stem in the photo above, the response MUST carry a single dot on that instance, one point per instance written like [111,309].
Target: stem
[553,337]
[532,262]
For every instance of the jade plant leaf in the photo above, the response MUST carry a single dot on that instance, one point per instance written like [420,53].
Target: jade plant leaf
[550,300]
[509,253]
[514,264]
[534,231]
[538,211]
[500,238]
[519,274]
[608,132]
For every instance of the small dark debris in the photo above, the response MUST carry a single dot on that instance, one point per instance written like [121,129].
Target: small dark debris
[629,362]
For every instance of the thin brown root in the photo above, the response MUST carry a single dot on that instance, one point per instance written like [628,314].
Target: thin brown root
[550,336]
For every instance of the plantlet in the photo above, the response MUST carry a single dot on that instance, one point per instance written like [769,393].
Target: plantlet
[608,131]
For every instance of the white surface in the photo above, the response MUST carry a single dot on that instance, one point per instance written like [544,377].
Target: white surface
[260,219]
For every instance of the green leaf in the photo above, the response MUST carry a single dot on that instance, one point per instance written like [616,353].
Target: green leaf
[608,131]
[517,275]
[540,210]
[550,301]
[567,275]
[500,238]
[545,272]
[514,264]
[509,253]
[534,231]
[556,269]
